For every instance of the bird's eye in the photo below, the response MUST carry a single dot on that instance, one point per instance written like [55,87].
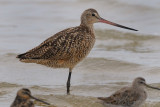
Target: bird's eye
[141,82]
[93,14]
[26,93]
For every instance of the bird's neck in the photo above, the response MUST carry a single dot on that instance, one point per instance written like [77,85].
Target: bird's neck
[89,27]
[137,87]
[18,101]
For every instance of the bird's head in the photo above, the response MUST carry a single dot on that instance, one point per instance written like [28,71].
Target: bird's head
[25,94]
[140,83]
[91,16]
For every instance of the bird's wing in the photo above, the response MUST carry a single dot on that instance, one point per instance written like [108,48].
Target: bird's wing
[58,46]
[22,104]
[122,97]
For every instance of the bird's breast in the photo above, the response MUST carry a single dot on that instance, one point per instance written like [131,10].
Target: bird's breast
[81,47]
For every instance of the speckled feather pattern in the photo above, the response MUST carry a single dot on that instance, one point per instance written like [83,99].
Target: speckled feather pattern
[133,96]
[19,102]
[124,97]
[64,49]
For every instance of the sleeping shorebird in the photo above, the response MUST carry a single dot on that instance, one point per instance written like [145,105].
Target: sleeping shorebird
[23,99]
[133,96]
[67,48]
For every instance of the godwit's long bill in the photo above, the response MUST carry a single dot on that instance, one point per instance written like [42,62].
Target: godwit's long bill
[133,96]
[115,24]
[68,47]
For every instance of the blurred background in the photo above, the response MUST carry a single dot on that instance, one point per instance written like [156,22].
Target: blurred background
[118,56]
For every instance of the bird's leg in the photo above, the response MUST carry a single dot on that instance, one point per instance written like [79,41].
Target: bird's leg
[68,81]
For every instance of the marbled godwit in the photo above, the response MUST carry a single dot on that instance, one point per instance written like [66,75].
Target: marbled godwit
[132,96]
[23,99]
[68,47]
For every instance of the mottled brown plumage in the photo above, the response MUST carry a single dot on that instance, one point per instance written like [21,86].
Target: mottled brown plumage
[23,99]
[133,96]
[67,48]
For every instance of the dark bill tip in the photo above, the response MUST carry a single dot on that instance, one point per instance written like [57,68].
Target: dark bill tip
[115,24]
[121,26]
[151,87]
[40,100]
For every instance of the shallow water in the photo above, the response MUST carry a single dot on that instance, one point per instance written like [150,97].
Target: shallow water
[117,58]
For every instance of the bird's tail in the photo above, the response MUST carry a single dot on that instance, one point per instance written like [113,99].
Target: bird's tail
[102,98]
[21,56]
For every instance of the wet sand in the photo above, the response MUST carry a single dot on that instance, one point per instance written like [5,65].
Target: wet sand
[87,84]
